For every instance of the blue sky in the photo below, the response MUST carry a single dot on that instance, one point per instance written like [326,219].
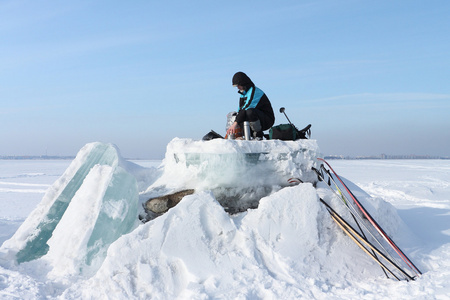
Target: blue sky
[371,77]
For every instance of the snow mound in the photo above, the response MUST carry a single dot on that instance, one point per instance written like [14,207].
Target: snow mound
[198,250]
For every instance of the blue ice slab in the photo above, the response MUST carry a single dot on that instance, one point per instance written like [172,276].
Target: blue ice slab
[117,215]
[102,154]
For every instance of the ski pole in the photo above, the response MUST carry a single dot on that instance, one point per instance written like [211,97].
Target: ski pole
[282,111]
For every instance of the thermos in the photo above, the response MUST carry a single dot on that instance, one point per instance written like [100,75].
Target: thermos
[247,130]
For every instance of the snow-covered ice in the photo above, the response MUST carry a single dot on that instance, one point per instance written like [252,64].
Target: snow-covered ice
[287,248]
[238,173]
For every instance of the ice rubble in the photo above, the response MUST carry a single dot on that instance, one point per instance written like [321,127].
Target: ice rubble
[97,199]
[93,245]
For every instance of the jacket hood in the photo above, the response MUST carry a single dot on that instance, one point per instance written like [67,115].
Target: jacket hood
[240,78]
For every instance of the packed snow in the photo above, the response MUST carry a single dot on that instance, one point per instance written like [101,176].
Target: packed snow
[286,248]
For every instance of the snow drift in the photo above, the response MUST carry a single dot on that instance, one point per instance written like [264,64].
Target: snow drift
[286,248]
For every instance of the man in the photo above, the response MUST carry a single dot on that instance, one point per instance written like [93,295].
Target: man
[254,107]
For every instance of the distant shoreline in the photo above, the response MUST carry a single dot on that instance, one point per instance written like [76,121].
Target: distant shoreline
[35,157]
[386,157]
[330,157]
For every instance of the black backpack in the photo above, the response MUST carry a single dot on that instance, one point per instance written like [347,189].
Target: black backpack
[288,132]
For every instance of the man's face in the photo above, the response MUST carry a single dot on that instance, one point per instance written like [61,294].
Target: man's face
[240,88]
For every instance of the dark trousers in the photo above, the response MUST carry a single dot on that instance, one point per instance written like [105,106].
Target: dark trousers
[253,115]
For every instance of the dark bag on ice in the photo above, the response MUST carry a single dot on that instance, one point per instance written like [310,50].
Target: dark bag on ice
[212,135]
[287,132]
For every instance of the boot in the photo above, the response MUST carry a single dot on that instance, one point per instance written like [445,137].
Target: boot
[257,130]
[258,136]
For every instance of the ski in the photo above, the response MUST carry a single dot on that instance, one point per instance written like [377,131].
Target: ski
[350,208]
[378,228]
[360,240]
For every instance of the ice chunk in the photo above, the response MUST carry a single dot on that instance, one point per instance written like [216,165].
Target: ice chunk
[244,163]
[118,214]
[104,208]
[239,173]
[31,239]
